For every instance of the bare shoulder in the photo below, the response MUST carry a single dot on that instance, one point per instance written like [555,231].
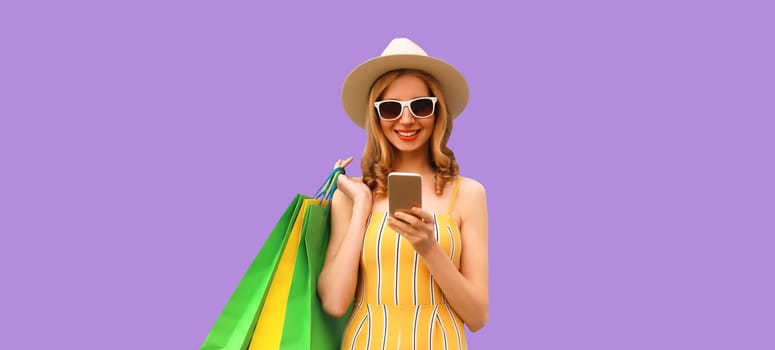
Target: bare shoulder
[471,205]
[471,189]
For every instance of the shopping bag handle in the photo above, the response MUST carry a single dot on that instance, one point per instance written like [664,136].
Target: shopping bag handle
[327,189]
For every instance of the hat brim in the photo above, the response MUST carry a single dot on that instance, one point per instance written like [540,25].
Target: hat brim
[356,87]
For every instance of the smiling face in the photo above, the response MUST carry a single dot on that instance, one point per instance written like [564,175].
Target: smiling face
[407,142]
[407,133]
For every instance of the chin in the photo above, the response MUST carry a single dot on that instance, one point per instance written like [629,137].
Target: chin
[403,146]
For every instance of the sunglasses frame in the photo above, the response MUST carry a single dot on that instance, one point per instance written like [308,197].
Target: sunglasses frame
[407,103]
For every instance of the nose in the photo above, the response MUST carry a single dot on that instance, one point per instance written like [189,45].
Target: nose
[406,116]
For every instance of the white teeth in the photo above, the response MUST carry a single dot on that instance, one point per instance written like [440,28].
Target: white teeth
[408,133]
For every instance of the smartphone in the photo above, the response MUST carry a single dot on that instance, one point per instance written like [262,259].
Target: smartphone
[404,191]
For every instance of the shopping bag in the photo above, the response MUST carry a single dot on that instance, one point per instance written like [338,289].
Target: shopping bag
[304,306]
[284,272]
[292,317]
[268,331]
[233,328]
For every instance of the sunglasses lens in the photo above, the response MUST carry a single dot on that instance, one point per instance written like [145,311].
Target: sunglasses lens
[389,109]
[422,107]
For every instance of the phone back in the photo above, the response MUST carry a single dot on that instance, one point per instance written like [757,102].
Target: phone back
[404,191]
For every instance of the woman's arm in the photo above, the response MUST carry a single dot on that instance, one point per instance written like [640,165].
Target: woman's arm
[339,276]
[466,290]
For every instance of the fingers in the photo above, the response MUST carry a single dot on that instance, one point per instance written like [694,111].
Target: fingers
[343,163]
[416,216]
[409,219]
[399,225]
[422,214]
[419,233]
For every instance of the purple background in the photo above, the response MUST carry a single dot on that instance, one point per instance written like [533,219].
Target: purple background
[148,147]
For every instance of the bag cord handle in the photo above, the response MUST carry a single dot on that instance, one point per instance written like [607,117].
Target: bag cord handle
[327,189]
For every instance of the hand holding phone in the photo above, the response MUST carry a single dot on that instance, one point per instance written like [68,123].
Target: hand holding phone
[404,191]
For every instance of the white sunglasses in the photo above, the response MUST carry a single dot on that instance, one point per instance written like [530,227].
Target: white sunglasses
[421,107]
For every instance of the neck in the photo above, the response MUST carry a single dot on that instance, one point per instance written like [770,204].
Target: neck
[415,162]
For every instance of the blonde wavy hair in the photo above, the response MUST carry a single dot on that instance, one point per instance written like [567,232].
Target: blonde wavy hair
[377,158]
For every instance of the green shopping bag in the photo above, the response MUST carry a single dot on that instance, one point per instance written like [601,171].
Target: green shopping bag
[307,326]
[306,222]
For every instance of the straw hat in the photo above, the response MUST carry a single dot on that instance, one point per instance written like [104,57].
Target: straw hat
[401,53]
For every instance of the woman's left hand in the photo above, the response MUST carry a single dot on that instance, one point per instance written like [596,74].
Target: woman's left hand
[416,226]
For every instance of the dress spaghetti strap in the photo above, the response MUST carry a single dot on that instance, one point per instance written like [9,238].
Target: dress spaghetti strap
[454,195]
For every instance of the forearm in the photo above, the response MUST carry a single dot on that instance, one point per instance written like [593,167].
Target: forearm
[338,279]
[468,301]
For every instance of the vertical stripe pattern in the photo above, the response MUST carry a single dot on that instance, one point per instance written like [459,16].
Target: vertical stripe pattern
[398,303]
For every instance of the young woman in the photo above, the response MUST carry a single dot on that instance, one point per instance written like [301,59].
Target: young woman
[413,279]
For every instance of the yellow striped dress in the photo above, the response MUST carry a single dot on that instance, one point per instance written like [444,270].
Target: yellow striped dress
[398,305]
